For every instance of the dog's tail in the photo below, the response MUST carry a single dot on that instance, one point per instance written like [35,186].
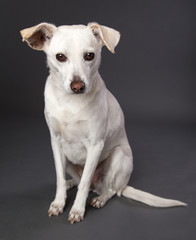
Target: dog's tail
[149,199]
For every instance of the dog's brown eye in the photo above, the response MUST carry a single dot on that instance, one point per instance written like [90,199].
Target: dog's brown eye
[61,57]
[89,56]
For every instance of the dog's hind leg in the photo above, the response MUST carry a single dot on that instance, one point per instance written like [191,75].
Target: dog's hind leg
[101,200]
[115,174]
[71,183]
[75,172]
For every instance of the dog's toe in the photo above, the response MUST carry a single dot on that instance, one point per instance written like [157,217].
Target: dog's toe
[75,216]
[56,207]
[97,202]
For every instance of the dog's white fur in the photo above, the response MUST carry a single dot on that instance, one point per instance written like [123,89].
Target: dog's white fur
[87,131]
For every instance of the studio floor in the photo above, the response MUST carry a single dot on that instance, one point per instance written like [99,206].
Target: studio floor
[164,164]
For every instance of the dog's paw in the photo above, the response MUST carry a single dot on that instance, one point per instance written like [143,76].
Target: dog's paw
[56,207]
[75,216]
[98,202]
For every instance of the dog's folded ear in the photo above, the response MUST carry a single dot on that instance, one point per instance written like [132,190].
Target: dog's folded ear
[38,36]
[107,36]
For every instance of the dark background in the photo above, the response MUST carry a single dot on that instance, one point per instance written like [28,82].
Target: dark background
[152,75]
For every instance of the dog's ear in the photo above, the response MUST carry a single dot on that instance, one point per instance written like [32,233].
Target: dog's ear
[38,36]
[107,36]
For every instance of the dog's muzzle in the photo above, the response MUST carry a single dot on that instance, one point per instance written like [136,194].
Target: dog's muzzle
[77,86]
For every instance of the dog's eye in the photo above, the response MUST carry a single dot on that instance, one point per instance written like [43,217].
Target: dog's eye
[61,57]
[89,56]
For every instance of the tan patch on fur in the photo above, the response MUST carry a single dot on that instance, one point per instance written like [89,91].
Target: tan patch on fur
[37,35]
[109,36]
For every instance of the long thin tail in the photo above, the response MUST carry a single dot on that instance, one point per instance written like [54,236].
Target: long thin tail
[150,199]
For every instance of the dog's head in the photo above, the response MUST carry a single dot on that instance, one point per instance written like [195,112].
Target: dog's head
[73,52]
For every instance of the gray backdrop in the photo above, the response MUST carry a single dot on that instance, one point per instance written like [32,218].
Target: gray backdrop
[152,75]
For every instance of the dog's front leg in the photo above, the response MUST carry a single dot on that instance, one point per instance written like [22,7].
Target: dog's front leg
[56,207]
[93,154]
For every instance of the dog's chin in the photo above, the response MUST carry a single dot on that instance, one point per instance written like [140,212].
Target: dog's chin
[78,93]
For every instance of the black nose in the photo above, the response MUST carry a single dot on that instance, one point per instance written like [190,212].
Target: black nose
[77,86]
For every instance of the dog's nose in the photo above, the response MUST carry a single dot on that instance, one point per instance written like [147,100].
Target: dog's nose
[77,86]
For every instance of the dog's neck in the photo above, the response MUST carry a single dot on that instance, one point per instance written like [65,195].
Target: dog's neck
[75,102]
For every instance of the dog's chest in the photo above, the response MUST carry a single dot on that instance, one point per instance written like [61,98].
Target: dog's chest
[73,138]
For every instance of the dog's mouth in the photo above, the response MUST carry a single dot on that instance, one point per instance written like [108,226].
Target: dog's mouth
[78,93]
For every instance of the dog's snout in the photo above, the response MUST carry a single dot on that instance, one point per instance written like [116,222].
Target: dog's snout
[77,85]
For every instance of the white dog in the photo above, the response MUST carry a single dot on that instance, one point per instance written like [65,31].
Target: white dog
[86,123]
